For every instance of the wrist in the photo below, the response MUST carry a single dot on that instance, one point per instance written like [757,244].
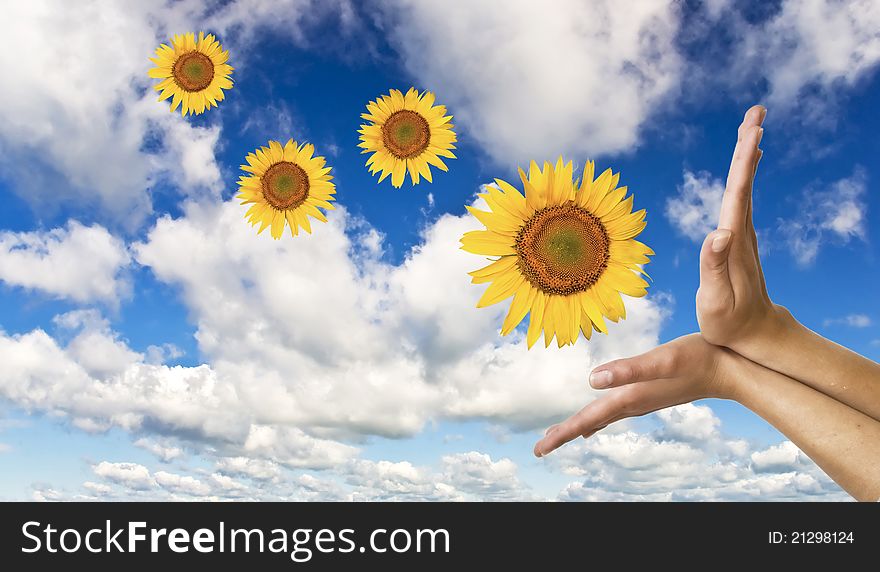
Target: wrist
[771,331]
[735,377]
[727,376]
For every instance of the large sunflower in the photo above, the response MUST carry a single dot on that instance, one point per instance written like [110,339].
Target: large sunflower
[566,251]
[286,184]
[193,71]
[406,133]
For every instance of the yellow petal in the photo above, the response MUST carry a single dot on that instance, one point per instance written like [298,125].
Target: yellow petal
[519,307]
[497,267]
[291,222]
[593,309]
[536,318]
[504,287]
[610,201]
[398,173]
[277,225]
[487,242]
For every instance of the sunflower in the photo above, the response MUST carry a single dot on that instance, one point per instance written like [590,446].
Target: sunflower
[193,71]
[565,251]
[286,184]
[406,133]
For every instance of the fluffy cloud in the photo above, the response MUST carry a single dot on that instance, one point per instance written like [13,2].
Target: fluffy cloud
[463,476]
[303,357]
[96,393]
[698,464]
[341,342]
[694,210]
[256,469]
[821,44]
[78,125]
[129,475]
[478,474]
[166,454]
[81,263]
[852,320]
[689,422]
[779,458]
[531,83]
[836,212]
[182,484]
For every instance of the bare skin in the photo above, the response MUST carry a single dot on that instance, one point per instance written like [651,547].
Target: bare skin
[752,351]
[734,309]
[845,443]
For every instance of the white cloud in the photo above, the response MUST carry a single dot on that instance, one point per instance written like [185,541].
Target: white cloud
[527,83]
[164,453]
[288,17]
[79,125]
[46,494]
[780,458]
[807,44]
[478,474]
[301,358]
[82,263]
[156,355]
[695,209]
[129,475]
[4,448]
[852,320]
[837,212]
[689,422]
[98,489]
[96,347]
[386,348]
[257,469]
[698,463]
[388,481]
[96,395]
[463,476]
[182,484]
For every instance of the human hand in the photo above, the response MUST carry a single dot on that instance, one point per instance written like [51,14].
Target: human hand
[680,371]
[733,307]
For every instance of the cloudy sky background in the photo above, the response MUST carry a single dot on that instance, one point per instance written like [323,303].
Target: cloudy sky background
[153,347]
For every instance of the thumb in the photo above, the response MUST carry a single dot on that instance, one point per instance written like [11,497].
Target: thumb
[713,257]
[715,288]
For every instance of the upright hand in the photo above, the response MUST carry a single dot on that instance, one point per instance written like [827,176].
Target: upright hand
[733,307]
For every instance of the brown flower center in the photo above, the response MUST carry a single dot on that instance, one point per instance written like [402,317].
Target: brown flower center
[563,249]
[285,185]
[406,134]
[193,71]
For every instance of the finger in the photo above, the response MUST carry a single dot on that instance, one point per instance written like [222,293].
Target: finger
[737,195]
[754,116]
[658,363]
[715,285]
[588,419]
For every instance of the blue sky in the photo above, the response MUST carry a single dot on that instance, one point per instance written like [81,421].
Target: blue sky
[157,348]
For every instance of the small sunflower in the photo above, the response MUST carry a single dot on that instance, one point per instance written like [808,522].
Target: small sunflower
[193,71]
[565,251]
[286,184]
[406,133]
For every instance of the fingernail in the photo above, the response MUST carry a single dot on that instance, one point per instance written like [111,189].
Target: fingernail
[763,114]
[600,379]
[720,242]
[760,135]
